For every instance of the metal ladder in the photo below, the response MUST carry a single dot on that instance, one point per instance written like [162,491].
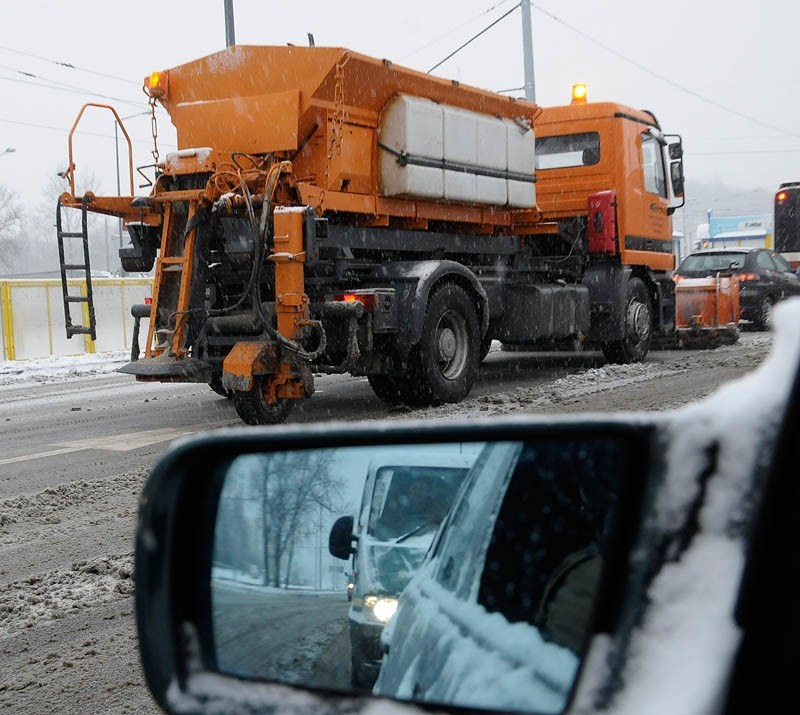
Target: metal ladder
[80,299]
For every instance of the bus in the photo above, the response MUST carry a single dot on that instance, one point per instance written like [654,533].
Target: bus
[787,222]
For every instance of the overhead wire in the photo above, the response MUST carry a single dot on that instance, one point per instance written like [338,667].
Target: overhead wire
[474,37]
[62,87]
[67,65]
[663,78]
[81,132]
[454,29]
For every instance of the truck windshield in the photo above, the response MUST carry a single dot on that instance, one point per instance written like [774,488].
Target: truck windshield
[411,500]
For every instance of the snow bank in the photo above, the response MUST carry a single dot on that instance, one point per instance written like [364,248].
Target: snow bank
[57,369]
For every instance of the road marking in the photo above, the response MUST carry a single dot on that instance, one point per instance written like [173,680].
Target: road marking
[117,443]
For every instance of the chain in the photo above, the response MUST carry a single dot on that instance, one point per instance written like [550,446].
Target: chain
[337,126]
[154,128]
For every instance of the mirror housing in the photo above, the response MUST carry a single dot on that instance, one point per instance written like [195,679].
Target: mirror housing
[340,540]
[180,505]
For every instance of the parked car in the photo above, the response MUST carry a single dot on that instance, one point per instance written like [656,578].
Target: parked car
[765,278]
[406,496]
[637,563]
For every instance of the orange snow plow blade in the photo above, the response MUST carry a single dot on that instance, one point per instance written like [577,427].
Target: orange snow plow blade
[707,311]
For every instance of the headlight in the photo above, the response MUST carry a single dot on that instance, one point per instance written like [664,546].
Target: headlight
[382,608]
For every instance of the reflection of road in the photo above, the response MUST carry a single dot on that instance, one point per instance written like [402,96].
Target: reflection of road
[291,636]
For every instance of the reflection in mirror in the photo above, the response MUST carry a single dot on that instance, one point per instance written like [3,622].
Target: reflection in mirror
[676,174]
[496,617]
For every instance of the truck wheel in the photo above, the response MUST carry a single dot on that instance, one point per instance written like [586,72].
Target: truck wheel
[253,408]
[215,383]
[486,345]
[764,317]
[359,679]
[638,327]
[387,388]
[443,366]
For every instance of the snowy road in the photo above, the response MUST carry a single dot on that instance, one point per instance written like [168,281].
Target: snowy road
[282,636]
[76,450]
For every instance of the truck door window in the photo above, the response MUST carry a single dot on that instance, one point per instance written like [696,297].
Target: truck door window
[568,150]
[653,163]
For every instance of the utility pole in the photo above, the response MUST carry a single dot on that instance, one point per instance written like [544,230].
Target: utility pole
[527,50]
[230,40]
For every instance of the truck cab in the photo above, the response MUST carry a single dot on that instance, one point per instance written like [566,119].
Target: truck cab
[608,172]
[585,149]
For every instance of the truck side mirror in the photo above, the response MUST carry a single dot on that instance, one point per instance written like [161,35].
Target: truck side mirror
[676,175]
[676,151]
[340,541]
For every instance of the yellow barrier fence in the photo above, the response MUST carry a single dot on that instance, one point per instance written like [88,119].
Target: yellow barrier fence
[32,316]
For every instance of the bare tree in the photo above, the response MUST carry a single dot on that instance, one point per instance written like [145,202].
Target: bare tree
[269,504]
[10,229]
[296,486]
[41,250]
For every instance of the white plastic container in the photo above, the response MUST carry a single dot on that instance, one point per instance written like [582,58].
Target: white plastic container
[460,146]
[423,129]
[520,148]
[415,126]
[491,153]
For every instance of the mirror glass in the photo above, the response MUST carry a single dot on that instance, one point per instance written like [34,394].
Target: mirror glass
[469,573]
[676,151]
[676,173]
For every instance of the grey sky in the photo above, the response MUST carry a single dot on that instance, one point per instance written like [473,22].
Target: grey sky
[739,54]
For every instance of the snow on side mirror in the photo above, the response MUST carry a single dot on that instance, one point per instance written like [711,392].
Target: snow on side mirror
[240,575]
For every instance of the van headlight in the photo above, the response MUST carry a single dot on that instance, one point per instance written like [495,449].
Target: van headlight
[382,608]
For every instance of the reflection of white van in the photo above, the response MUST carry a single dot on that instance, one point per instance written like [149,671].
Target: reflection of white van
[406,495]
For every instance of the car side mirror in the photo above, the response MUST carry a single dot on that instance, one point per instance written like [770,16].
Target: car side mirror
[235,584]
[340,540]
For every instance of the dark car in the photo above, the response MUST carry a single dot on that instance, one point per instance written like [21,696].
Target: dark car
[765,278]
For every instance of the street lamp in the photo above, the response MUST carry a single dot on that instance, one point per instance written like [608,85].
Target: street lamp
[8,150]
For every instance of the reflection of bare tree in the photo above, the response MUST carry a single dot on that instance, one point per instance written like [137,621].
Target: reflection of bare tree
[269,503]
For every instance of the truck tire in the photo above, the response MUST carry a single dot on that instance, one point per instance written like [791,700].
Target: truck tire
[443,366]
[253,408]
[638,327]
[764,317]
[215,383]
[486,346]
[387,388]
[360,679]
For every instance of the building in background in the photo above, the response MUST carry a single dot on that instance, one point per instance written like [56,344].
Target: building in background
[753,231]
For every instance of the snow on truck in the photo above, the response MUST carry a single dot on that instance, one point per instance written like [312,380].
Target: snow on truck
[327,212]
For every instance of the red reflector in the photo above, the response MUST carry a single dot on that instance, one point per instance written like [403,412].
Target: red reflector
[148,301]
[602,223]
[368,300]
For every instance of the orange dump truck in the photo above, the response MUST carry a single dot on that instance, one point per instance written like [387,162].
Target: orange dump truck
[327,212]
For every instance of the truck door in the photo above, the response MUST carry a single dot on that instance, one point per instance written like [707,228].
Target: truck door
[645,226]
